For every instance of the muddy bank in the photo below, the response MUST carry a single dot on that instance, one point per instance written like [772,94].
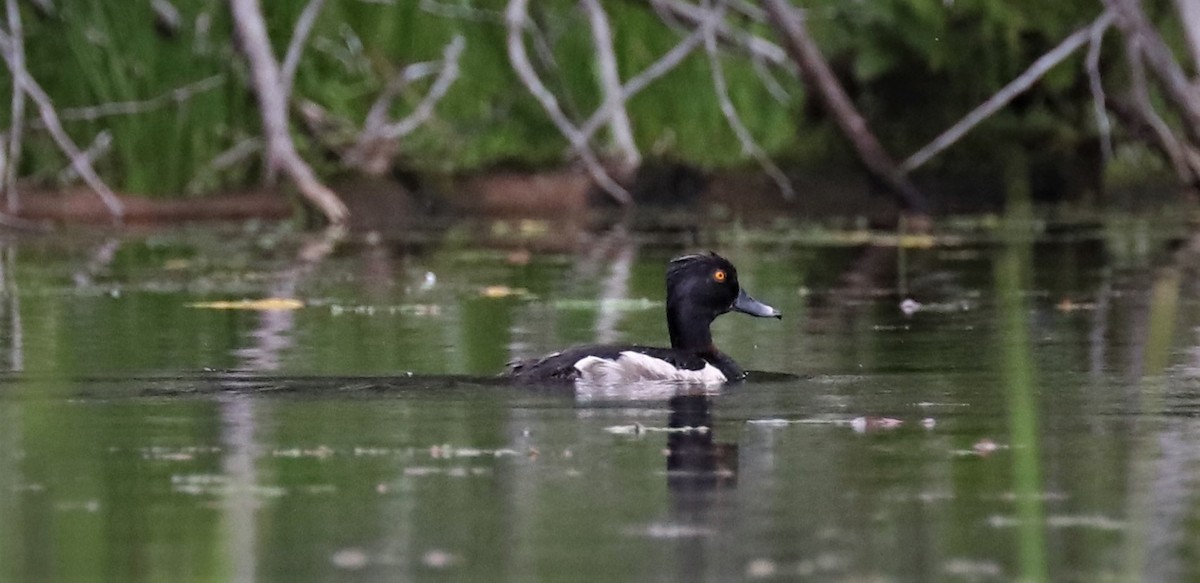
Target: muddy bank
[670,190]
[81,206]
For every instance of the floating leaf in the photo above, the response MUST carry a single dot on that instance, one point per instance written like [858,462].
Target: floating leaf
[265,304]
[1067,305]
[503,291]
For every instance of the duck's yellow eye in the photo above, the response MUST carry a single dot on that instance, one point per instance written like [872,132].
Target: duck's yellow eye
[719,276]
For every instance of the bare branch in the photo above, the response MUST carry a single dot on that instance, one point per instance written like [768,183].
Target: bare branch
[166,17]
[1100,110]
[610,83]
[693,15]
[378,114]
[769,81]
[996,102]
[422,112]
[100,146]
[15,137]
[637,83]
[376,141]
[281,152]
[1189,17]
[49,117]
[1176,88]
[291,59]
[748,10]
[749,146]
[1184,159]
[819,78]
[515,18]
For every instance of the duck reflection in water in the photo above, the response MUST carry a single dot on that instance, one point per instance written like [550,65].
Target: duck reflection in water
[696,462]
[702,475]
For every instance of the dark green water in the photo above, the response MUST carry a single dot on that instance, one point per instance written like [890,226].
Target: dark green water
[1047,393]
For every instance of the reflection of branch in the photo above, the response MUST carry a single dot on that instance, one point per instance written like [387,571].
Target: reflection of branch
[1017,86]
[21,78]
[281,152]
[272,336]
[516,18]
[101,258]
[749,146]
[16,349]
[240,448]
[15,145]
[616,283]
[610,82]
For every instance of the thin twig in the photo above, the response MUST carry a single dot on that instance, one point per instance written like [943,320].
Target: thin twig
[373,146]
[377,115]
[291,59]
[637,83]
[49,117]
[610,83]
[240,151]
[749,146]
[996,102]
[174,96]
[515,18]
[774,87]
[15,133]
[1100,110]
[422,112]
[693,15]
[456,12]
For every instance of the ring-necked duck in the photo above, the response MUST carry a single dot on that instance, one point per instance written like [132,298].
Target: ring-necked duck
[699,288]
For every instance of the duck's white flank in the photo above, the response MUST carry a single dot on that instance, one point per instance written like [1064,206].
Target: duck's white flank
[633,366]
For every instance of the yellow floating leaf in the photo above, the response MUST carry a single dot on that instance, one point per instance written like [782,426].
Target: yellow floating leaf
[503,291]
[265,304]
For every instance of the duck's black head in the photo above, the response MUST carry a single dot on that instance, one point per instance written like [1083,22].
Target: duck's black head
[700,288]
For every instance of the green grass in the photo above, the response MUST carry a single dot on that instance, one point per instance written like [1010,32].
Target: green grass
[913,65]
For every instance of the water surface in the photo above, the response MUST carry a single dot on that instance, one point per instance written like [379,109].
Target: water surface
[1031,413]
